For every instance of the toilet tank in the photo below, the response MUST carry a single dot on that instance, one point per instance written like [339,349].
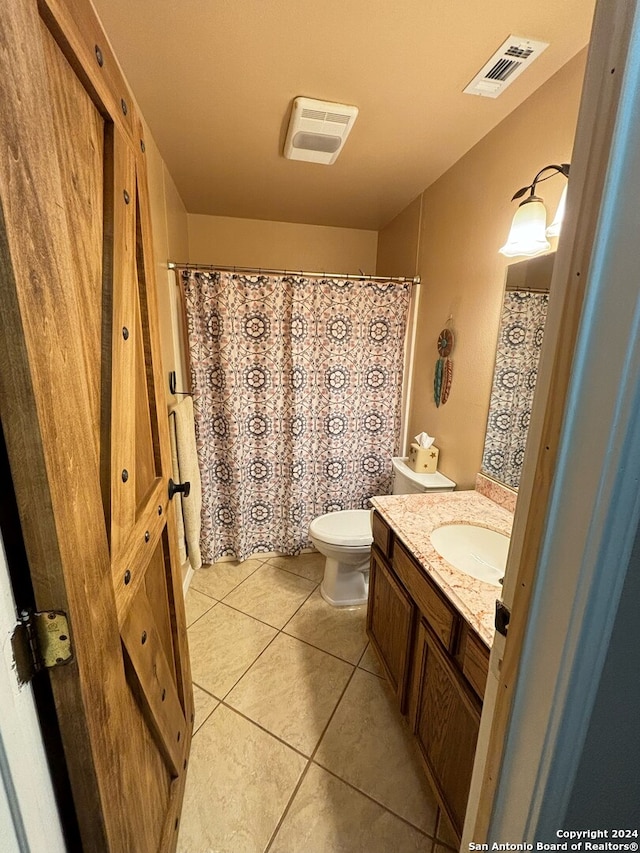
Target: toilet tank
[407,482]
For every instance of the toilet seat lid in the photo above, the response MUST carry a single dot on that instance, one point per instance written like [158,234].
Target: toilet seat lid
[348,527]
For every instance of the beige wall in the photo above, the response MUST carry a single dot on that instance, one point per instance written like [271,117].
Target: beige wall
[170,240]
[280,245]
[399,242]
[465,219]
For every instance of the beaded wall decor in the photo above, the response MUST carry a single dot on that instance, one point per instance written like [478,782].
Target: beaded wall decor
[443,376]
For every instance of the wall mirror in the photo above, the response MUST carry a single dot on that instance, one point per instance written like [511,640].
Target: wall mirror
[524,311]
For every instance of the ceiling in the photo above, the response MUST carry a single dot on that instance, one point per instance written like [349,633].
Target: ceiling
[215,80]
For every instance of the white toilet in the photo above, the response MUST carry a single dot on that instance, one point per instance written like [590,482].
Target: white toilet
[345,538]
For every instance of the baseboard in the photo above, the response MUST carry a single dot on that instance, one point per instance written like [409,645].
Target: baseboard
[186,578]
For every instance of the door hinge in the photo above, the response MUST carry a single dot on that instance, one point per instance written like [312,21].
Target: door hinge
[40,641]
[503,615]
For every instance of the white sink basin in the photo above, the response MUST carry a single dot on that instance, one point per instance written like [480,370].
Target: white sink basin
[476,551]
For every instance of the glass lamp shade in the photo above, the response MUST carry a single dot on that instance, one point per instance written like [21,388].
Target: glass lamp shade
[554,229]
[527,235]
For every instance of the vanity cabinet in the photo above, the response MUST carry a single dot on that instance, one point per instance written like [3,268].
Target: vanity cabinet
[390,618]
[435,662]
[445,718]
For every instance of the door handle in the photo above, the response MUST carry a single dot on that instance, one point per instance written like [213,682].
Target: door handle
[183,488]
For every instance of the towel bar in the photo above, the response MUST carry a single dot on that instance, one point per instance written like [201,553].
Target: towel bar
[172,385]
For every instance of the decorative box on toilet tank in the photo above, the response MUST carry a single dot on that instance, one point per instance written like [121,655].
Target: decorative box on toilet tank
[423,460]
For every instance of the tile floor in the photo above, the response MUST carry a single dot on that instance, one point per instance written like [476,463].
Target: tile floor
[298,746]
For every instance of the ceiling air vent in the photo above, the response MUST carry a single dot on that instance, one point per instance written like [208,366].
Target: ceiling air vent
[513,57]
[318,130]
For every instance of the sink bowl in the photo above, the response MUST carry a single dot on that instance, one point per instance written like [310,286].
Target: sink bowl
[476,551]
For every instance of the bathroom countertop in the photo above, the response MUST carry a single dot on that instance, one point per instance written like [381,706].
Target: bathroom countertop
[413,517]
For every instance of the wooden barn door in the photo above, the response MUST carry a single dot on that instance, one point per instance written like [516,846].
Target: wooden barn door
[84,415]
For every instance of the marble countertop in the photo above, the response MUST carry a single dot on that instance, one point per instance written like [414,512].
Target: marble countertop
[413,517]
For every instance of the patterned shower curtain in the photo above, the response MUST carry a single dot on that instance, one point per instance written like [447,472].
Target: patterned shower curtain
[514,381]
[296,387]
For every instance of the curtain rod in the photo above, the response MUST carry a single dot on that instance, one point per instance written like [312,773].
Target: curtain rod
[259,270]
[513,288]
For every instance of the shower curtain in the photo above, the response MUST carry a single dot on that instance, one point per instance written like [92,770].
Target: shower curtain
[514,380]
[296,388]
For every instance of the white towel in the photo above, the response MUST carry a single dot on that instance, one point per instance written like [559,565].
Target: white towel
[189,471]
[182,545]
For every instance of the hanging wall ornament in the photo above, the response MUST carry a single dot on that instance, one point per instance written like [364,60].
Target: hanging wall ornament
[444,368]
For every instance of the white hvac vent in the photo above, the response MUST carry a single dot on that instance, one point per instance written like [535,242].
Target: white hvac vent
[318,130]
[507,63]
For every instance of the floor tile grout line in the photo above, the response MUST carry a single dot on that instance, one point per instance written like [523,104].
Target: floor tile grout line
[359,664]
[233,588]
[253,662]
[283,629]
[273,639]
[259,725]
[292,636]
[293,615]
[293,574]
[278,631]
[211,695]
[205,690]
[333,773]
[288,805]
[237,609]
[386,808]
[310,761]
[317,648]
[377,802]
[297,574]
[209,715]
[366,646]
[312,758]
[263,729]
[251,616]
[200,592]
[239,679]
[302,604]
[191,624]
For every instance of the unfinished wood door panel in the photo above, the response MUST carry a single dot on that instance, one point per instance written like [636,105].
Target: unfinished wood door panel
[157,592]
[144,466]
[84,417]
[80,153]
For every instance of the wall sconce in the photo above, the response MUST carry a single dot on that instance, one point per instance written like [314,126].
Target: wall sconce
[529,232]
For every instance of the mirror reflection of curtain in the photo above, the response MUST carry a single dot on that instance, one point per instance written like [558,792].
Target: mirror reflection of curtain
[296,386]
[514,381]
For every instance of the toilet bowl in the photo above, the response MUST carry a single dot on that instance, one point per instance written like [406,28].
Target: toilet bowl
[345,538]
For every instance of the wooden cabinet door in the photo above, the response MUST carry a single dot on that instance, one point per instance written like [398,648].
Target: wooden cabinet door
[84,416]
[390,618]
[445,716]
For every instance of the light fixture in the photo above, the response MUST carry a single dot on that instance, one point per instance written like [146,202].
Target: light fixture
[554,229]
[528,235]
